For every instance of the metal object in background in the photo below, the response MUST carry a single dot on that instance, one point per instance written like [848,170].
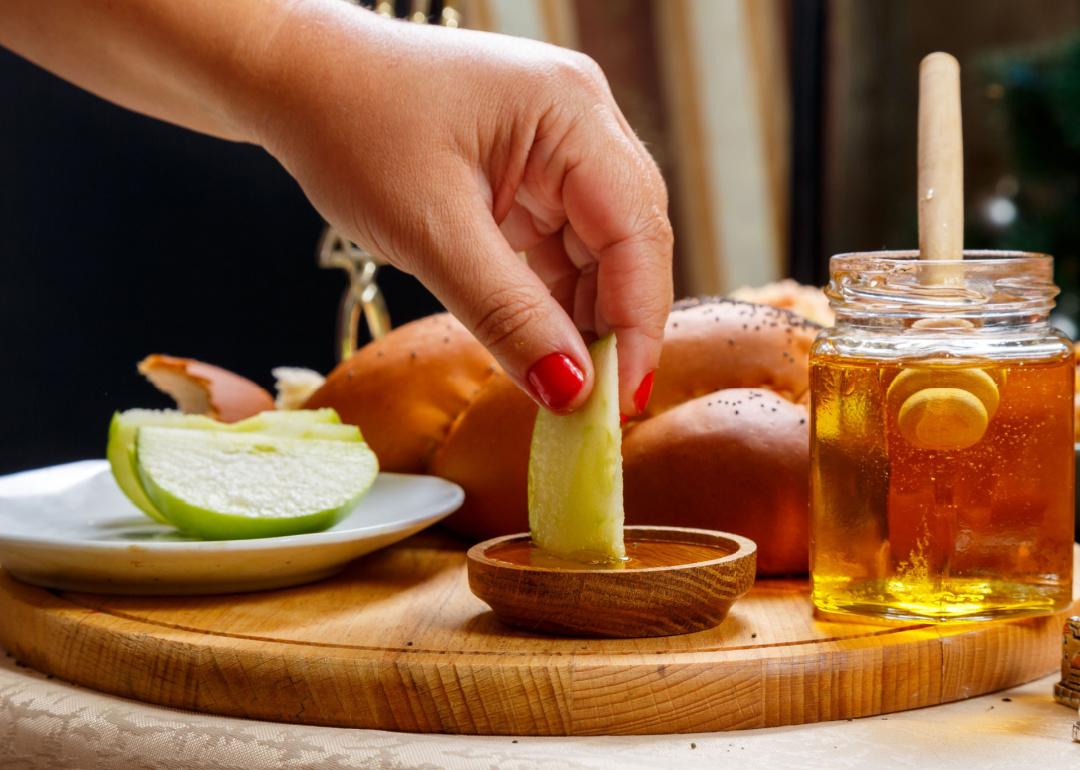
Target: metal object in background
[1067,691]
[335,251]
[362,293]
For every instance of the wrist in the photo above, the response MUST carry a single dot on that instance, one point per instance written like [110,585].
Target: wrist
[285,68]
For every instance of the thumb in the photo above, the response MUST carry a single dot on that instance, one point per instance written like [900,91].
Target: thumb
[470,267]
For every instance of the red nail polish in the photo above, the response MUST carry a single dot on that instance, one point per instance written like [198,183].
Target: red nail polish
[641,395]
[556,379]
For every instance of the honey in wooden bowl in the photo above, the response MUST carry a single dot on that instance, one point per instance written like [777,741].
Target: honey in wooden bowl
[942,454]
[640,554]
[674,580]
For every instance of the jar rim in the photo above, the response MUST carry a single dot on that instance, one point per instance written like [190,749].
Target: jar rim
[971,256]
[984,284]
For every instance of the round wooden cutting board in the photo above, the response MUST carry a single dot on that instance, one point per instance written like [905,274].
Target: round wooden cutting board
[398,642]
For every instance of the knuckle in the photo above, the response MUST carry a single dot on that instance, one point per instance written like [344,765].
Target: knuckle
[656,229]
[509,312]
[667,235]
[650,173]
[654,331]
[587,67]
[661,188]
[579,71]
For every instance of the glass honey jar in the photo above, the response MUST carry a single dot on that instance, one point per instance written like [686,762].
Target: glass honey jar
[942,457]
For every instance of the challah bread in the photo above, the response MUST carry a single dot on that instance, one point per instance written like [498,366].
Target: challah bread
[429,398]
[734,460]
[714,343]
[723,443]
[487,453]
[405,390]
[808,301]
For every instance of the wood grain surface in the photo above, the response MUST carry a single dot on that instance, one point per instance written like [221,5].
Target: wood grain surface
[397,641]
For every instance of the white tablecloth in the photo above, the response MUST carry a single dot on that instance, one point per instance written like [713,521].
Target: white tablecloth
[48,724]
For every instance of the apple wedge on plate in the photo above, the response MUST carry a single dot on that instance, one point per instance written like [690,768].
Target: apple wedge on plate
[275,473]
[225,485]
[121,448]
[120,452]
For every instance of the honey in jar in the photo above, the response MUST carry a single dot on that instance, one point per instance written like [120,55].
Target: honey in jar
[942,452]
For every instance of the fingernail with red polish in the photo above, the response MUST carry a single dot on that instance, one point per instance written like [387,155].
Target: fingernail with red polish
[556,380]
[641,395]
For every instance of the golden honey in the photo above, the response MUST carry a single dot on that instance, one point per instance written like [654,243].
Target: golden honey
[942,462]
[907,530]
[640,554]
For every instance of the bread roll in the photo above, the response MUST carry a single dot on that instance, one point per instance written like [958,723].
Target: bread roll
[405,390]
[734,460]
[714,343]
[487,453]
[808,301]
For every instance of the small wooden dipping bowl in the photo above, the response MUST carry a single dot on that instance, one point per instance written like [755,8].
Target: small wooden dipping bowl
[687,592]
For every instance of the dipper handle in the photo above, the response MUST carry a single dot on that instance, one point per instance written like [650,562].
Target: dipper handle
[941,159]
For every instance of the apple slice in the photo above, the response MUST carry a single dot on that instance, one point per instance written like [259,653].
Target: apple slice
[575,472]
[121,444]
[227,485]
[302,423]
[324,416]
[310,423]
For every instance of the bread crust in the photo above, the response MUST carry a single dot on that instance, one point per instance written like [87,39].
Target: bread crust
[713,343]
[405,390]
[487,453]
[735,460]
[200,388]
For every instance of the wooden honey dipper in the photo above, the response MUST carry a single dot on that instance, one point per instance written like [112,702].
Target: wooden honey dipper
[942,409]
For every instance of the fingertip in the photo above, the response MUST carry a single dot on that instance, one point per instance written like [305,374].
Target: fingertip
[639,357]
[579,401]
[556,380]
[644,391]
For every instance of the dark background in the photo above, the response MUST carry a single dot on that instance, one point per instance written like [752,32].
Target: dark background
[122,236]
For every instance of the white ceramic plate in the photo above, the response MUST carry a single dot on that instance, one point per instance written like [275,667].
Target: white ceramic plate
[70,527]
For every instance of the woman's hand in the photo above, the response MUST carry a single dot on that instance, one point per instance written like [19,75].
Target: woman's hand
[447,151]
[442,151]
